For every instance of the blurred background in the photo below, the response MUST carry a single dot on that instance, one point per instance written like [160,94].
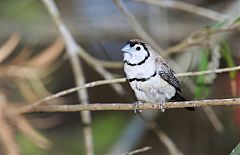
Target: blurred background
[34,65]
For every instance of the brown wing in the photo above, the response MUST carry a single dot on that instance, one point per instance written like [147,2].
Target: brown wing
[167,73]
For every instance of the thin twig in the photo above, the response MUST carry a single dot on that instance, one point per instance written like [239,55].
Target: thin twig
[108,76]
[9,145]
[128,106]
[197,38]
[222,70]
[121,80]
[73,49]
[8,47]
[171,146]
[71,90]
[144,149]
[136,26]
[26,128]
[187,7]
[17,71]
[92,60]
[214,119]
[9,119]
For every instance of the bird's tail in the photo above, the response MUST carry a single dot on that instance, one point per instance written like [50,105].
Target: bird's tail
[178,97]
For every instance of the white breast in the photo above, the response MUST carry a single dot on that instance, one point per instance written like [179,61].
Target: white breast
[155,89]
[140,71]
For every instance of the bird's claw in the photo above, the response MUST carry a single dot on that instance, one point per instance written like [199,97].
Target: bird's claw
[161,106]
[135,105]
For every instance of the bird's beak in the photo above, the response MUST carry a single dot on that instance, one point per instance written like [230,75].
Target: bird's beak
[126,48]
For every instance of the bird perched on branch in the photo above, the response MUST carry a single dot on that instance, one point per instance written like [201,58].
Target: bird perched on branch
[149,75]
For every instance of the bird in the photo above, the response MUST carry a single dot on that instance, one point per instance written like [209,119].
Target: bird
[149,75]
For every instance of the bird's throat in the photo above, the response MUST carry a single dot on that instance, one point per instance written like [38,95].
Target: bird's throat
[139,63]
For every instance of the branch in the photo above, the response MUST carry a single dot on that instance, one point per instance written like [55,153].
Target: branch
[136,26]
[188,7]
[93,61]
[8,47]
[144,149]
[72,50]
[166,140]
[17,71]
[120,80]
[222,70]
[198,38]
[8,143]
[128,106]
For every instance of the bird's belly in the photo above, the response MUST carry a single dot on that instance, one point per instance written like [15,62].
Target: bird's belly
[153,90]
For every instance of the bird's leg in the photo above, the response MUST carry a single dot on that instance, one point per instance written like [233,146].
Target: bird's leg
[135,105]
[161,103]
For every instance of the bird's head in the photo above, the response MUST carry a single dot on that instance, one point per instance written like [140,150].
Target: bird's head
[135,51]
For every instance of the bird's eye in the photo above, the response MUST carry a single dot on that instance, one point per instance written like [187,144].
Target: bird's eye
[138,48]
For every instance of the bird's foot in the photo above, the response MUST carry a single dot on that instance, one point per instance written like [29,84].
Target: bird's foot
[161,106]
[135,105]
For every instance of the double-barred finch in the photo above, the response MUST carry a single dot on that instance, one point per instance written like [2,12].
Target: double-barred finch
[149,75]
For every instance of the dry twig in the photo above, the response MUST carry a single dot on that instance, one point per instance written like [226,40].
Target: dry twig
[120,80]
[9,119]
[8,142]
[136,26]
[188,7]
[198,38]
[127,106]
[222,70]
[172,148]
[73,49]
[144,149]
[9,46]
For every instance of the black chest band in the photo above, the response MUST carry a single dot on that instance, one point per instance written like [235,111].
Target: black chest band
[142,79]
[140,63]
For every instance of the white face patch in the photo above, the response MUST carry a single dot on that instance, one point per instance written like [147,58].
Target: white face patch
[127,56]
[135,54]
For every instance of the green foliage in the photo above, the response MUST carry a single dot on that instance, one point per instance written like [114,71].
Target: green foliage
[27,146]
[24,10]
[227,56]
[237,21]
[202,90]
[236,150]
[106,130]
[219,25]
[69,140]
